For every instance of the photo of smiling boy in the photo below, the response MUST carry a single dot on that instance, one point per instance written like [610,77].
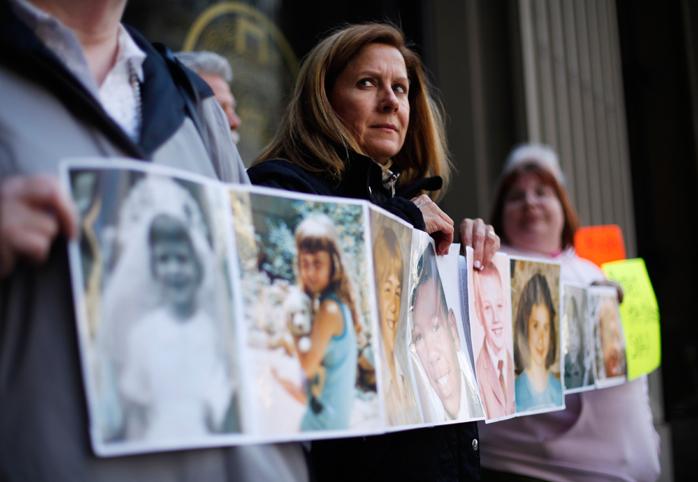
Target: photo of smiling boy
[436,345]
[494,364]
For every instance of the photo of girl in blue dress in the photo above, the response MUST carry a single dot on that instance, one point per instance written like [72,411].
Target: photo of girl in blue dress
[330,361]
[310,321]
[536,347]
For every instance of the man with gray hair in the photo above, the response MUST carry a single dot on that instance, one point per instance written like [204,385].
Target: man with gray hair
[76,82]
[218,74]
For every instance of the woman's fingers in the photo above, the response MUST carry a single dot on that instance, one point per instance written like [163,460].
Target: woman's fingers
[42,193]
[479,235]
[437,222]
[482,238]
[473,232]
[33,210]
[492,245]
[442,232]
[442,241]
[466,230]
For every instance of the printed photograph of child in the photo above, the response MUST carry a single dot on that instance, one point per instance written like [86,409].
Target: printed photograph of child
[309,330]
[579,352]
[391,259]
[535,294]
[492,338]
[609,338]
[446,394]
[160,337]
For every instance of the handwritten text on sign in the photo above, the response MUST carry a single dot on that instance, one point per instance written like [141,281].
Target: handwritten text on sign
[640,315]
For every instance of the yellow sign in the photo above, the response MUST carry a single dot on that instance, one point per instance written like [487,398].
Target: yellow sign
[640,315]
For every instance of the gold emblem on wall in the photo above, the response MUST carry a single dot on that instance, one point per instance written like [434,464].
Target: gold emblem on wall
[264,67]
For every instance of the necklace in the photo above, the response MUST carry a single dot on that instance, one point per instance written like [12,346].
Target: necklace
[388,177]
[390,180]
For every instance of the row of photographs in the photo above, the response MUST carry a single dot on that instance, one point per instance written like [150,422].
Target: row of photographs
[211,314]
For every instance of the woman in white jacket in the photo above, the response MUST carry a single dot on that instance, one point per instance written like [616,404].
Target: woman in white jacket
[604,434]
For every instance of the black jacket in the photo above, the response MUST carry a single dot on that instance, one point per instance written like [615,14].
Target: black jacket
[445,453]
[361,180]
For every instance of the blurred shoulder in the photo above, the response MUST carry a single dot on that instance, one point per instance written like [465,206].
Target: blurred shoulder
[578,270]
[330,307]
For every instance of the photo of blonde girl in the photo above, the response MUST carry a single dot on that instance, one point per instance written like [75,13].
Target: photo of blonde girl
[328,353]
[389,264]
[309,327]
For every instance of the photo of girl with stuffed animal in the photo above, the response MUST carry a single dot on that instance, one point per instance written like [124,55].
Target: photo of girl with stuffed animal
[160,353]
[308,330]
[535,293]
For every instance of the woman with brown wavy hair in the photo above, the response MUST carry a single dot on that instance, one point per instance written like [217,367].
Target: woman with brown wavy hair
[362,123]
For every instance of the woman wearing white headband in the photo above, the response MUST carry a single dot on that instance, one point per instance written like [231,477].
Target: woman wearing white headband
[604,434]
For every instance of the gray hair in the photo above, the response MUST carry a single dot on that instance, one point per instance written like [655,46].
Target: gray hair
[206,62]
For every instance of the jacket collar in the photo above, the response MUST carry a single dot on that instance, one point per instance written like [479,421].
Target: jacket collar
[363,178]
[163,107]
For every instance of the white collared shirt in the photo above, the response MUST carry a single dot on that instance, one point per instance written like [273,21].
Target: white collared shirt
[119,97]
[119,93]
